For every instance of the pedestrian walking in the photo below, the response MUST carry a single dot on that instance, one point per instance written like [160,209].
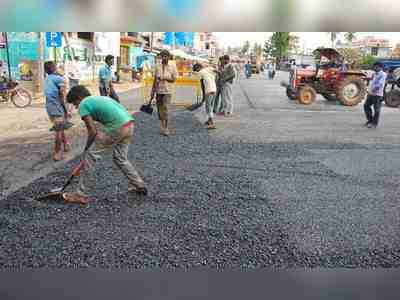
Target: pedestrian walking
[73,70]
[54,90]
[118,134]
[106,86]
[209,90]
[375,96]
[164,78]
[227,77]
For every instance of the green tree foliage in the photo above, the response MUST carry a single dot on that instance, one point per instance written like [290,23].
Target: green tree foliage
[350,36]
[367,61]
[277,46]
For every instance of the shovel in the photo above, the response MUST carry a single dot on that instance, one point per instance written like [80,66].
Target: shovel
[58,193]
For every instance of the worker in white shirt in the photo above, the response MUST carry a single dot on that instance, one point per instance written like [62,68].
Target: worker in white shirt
[207,75]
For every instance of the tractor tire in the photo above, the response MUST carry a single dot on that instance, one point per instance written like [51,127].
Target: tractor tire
[392,99]
[351,91]
[329,97]
[291,95]
[307,95]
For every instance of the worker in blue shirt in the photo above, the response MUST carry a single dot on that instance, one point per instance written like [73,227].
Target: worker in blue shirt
[375,96]
[105,79]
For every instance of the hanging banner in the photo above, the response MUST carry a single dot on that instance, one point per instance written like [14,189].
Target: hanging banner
[107,43]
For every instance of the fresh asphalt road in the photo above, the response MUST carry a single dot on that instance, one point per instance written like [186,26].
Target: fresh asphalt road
[278,184]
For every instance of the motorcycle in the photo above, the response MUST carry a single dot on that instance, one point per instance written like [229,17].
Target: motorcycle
[11,90]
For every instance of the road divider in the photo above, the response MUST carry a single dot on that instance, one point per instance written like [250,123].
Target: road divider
[186,90]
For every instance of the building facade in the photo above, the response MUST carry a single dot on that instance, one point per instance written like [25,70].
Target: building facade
[373,46]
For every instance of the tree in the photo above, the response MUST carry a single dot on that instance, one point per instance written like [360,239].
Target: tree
[294,43]
[277,46]
[333,36]
[350,36]
[259,50]
[245,48]
[368,61]
[352,56]
[255,49]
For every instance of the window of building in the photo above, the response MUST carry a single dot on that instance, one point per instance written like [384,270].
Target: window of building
[374,51]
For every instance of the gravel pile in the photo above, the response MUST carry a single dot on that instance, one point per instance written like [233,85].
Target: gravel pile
[212,203]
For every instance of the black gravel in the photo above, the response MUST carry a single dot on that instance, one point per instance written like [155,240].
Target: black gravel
[212,203]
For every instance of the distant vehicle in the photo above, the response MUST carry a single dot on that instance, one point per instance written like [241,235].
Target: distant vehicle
[392,87]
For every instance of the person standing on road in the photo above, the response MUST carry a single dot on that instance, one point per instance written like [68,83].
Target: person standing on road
[74,74]
[375,96]
[227,77]
[106,86]
[165,76]
[118,133]
[218,103]
[54,90]
[210,88]
[248,70]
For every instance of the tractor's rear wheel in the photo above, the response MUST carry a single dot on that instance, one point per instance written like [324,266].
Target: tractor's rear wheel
[392,99]
[351,91]
[307,95]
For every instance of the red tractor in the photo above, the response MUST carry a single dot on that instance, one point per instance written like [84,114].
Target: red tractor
[331,79]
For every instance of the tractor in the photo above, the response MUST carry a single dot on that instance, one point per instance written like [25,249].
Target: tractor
[331,79]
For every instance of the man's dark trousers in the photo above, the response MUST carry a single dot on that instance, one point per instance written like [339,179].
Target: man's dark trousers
[376,102]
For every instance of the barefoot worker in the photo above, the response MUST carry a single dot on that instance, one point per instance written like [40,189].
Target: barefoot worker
[165,77]
[118,126]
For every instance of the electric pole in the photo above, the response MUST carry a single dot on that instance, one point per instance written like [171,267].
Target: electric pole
[151,42]
[40,74]
[8,55]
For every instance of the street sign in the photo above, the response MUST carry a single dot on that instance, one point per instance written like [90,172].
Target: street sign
[53,39]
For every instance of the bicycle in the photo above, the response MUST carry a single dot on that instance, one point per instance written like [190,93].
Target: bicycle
[11,91]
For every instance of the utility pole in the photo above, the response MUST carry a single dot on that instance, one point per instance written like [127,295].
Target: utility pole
[151,41]
[8,56]
[41,63]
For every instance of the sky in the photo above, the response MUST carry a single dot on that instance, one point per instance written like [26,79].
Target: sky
[308,40]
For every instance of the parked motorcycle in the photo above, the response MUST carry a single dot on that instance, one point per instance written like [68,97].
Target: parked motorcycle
[11,90]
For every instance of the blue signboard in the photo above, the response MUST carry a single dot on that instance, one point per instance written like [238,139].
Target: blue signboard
[53,39]
[169,38]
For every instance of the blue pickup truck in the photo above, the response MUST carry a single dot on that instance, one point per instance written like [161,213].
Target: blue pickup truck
[390,64]
[392,88]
